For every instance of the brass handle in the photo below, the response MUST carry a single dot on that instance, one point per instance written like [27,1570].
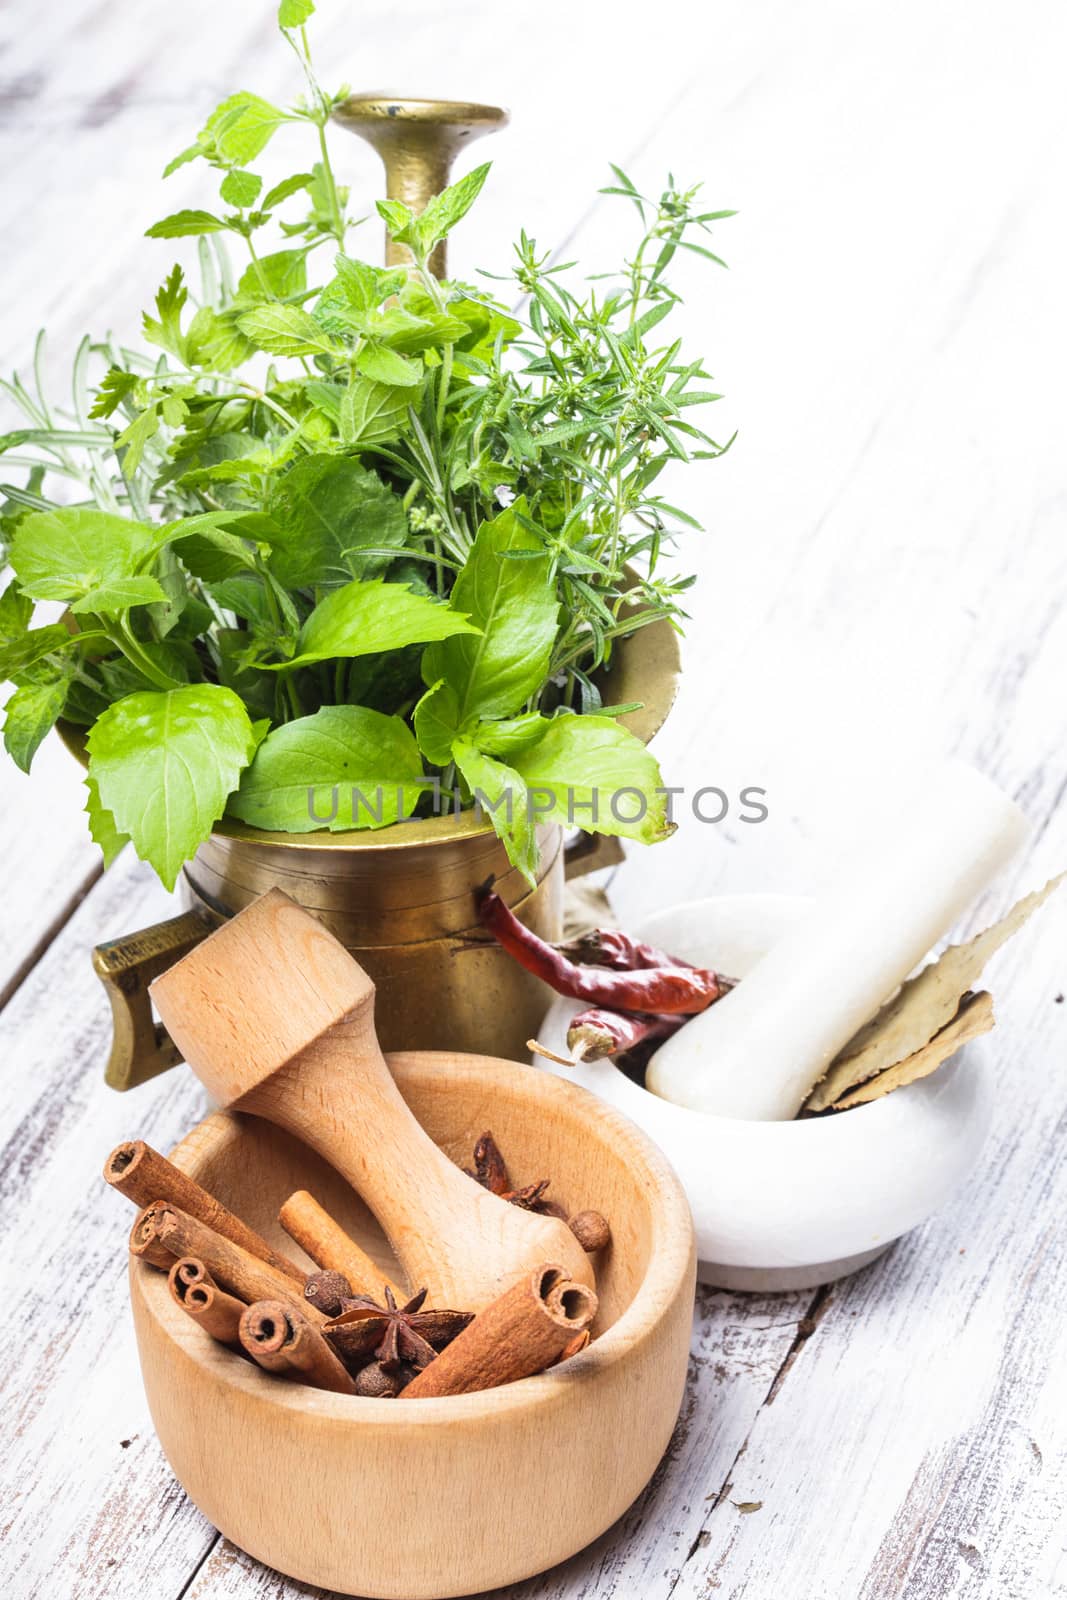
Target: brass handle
[588,852]
[141,1047]
[417,140]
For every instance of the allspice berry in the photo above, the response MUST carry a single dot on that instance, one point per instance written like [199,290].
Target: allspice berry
[592,1231]
[327,1291]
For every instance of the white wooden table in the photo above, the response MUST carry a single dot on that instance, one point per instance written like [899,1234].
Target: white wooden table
[883,579]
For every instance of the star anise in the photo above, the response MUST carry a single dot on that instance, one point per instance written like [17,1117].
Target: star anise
[393,1335]
[491,1172]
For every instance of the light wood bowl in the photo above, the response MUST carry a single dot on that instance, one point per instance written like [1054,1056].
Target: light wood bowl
[433,1498]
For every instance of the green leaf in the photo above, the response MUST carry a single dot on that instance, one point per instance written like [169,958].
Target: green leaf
[294,13]
[282,191]
[502,795]
[31,713]
[382,365]
[358,282]
[113,389]
[102,825]
[285,272]
[326,508]
[447,208]
[398,218]
[120,595]
[182,224]
[165,765]
[347,747]
[581,761]
[190,153]
[436,719]
[67,553]
[514,604]
[170,301]
[240,188]
[239,129]
[16,613]
[285,331]
[507,736]
[24,651]
[371,413]
[214,340]
[362,618]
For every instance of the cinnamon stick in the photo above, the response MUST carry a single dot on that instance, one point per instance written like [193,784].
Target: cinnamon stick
[143,1175]
[523,1332]
[330,1247]
[145,1242]
[238,1271]
[278,1335]
[211,1308]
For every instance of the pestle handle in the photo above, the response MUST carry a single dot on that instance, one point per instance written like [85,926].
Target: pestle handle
[757,1053]
[276,1018]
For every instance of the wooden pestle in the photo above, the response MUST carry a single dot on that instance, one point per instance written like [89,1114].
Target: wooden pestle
[276,1018]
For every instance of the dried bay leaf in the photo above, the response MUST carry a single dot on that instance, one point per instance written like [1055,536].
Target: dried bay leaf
[974,1017]
[921,1007]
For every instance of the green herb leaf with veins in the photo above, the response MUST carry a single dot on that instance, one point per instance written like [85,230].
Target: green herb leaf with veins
[341,526]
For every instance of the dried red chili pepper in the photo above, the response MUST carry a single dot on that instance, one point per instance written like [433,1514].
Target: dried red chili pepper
[595,1034]
[673,990]
[610,947]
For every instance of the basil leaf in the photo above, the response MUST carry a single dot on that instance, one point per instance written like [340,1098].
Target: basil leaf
[102,825]
[31,713]
[502,793]
[362,618]
[508,736]
[165,764]
[65,554]
[285,331]
[582,761]
[325,508]
[371,413]
[514,604]
[120,594]
[342,747]
[436,719]
[28,648]
[16,613]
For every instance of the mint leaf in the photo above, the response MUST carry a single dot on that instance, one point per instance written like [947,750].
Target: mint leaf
[182,224]
[120,595]
[285,272]
[514,604]
[363,618]
[240,188]
[102,825]
[502,794]
[382,365]
[165,764]
[371,413]
[31,713]
[326,508]
[442,213]
[358,282]
[239,129]
[282,191]
[294,13]
[436,719]
[399,219]
[65,554]
[349,747]
[585,760]
[285,331]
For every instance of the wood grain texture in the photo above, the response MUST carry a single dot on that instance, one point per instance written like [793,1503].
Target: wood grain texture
[883,577]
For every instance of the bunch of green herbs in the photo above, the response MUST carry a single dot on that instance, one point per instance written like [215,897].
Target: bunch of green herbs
[346,528]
